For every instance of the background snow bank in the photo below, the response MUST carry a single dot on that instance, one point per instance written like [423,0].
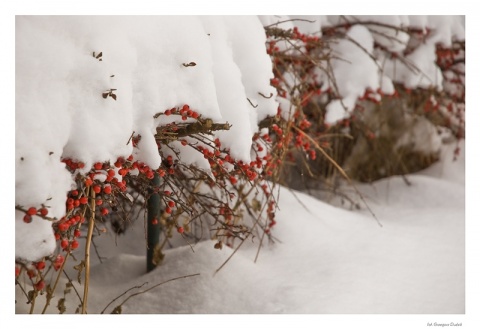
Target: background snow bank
[356,65]
[60,111]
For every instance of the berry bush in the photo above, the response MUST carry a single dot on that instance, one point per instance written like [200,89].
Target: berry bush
[384,131]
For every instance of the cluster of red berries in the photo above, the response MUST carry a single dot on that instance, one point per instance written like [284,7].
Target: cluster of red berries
[185,112]
[35,271]
[32,211]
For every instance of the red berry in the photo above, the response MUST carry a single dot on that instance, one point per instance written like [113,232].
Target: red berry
[98,166]
[195,115]
[168,210]
[107,189]
[63,227]
[180,230]
[99,202]
[32,211]
[104,211]
[40,285]
[74,244]
[154,221]
[40,265]
[184,118]
[88,182]
[171,204]
[97,188]
[111,172]
[83,200]
[64,243]
[184,142]
[58,262]
[76,233]
[233,180]
[27,219]
[17,271]
[44,211]
[74,192]
[168,112]
[185,107]
[31,273]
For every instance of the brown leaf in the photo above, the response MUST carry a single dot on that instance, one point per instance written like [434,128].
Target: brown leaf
[105,95]
[113,96]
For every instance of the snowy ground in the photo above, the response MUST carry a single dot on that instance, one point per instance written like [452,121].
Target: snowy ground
[328,260]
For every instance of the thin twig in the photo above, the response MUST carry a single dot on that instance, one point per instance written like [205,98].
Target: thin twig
[342,172]
[91,225]
[136,287]
[290,20]
[155,286]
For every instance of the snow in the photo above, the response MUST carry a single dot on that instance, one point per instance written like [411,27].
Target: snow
[329,260]
[60,81]
[340,261]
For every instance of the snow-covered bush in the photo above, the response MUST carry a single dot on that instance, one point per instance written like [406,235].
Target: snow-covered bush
[205,114]
[376,95]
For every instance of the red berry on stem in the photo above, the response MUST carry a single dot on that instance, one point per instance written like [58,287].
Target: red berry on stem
[104,211]
[107,189]
[74,244]
[27,219]
[180,230]
[40,285]
[44,211]
[171,204]
[40,265]
[64,243]
[83,200]
[32,211]
[97,188]
[98,166]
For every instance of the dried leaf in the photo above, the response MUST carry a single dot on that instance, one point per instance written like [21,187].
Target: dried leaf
[218,245]
[99,55]
[113,96]
[61,305]
[79,268]
[256,205]
[117,310]
[105,95]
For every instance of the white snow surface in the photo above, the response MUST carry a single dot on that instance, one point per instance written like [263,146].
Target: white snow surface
[327,259]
